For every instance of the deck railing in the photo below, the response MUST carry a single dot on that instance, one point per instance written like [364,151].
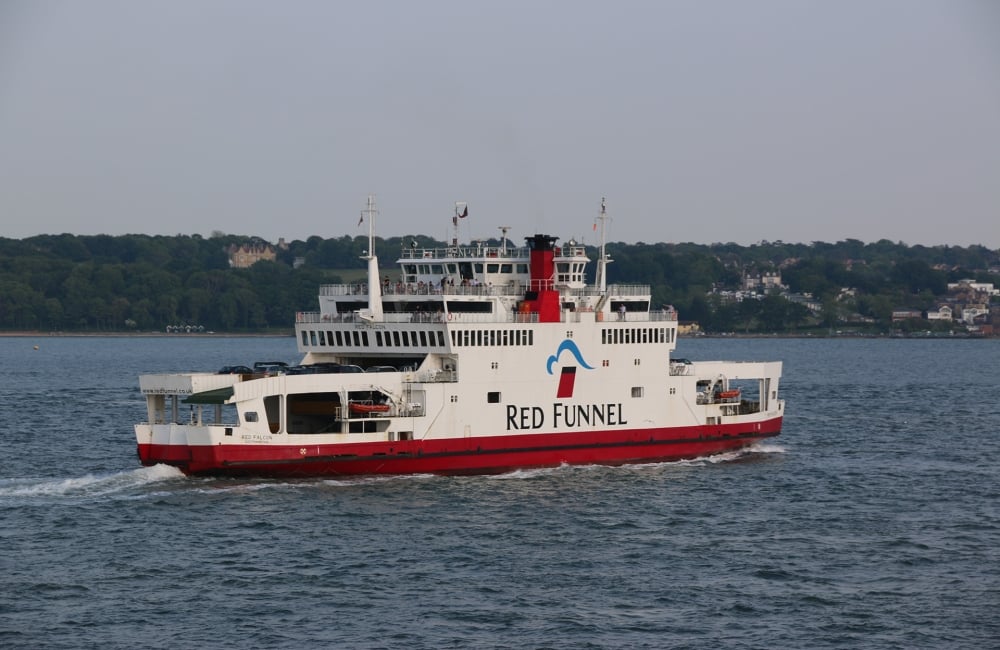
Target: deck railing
[456,317]
[360,290]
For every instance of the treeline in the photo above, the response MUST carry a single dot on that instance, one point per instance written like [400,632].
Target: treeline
[883,275]
[105,283]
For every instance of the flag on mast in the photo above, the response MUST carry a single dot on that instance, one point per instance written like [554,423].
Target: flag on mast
[465,212]
[362,219]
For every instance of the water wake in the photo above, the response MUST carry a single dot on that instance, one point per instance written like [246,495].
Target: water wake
[766,448]
[700,461]
[126,482]
[211,485]
[88,486]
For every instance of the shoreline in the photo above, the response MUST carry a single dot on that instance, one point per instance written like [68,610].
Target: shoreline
[29,334]
[936,337]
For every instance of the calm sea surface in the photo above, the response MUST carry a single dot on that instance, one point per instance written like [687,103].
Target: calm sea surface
[872,522]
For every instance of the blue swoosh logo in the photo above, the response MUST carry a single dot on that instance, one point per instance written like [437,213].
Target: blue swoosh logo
[563,347]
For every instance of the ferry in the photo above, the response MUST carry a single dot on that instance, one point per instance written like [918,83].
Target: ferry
[474,359]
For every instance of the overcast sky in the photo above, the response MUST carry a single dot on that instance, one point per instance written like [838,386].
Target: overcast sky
[702,121]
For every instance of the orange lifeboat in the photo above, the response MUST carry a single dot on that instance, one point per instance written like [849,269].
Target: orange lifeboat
[729,394]
[366,408]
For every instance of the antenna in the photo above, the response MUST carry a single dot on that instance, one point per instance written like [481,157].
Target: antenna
[503,240]
[602,262]
[461,211]
[370,213]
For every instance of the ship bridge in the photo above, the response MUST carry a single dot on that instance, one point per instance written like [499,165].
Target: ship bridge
[484,266]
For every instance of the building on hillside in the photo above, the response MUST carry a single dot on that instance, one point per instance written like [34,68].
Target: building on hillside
[688,329]
[806,300]
[943,312]
[905,313]
[983,288]
[763,283]
[249,253]
[970,313]
[849,264]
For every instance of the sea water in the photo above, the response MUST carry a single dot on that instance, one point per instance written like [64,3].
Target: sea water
[873,521]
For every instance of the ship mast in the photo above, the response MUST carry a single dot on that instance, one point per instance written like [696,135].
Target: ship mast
[603,260]
[461,211]
[374,311]
[503,239]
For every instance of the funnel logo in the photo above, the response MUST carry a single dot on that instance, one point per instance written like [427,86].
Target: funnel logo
[567,378]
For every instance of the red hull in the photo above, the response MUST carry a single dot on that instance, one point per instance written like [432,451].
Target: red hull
[488,455]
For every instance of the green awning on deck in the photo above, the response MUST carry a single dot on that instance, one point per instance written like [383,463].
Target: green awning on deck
[217,396]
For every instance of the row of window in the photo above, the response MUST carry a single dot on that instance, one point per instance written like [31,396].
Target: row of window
[620,335]
[360,338]
[383,339]
[453,268]
[567,272]
[493,397]
[481,338]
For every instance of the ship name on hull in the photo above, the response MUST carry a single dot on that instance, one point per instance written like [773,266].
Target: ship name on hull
[564,416]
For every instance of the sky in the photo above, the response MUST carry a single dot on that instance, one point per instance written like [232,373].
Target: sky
[698,121]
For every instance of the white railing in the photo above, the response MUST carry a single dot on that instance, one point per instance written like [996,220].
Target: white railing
[353,317]
[360,289]
[450,252]
[430,376]
[465,318]
[485,252]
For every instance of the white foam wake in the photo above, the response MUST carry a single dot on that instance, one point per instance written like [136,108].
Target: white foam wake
[766,448]
[736,454]
[90,485]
